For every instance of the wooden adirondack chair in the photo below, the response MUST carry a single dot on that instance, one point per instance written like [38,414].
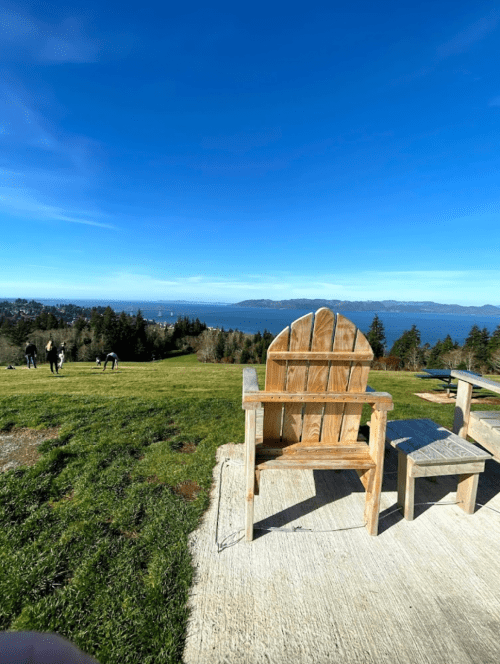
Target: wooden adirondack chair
[316,385]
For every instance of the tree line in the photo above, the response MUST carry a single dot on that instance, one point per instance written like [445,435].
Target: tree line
[131,337]
[480,351]
[134,339]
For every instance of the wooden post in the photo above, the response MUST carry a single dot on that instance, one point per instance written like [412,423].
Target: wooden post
[250,435]
[462,409]
[376,444]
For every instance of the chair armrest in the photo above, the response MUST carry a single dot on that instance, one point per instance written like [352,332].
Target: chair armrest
[486,383]
[250,385]
[379,400]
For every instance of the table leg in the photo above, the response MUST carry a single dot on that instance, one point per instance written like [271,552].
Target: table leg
[467,491]
[406,487]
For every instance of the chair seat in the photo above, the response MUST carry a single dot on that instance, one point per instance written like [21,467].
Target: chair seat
[311,456]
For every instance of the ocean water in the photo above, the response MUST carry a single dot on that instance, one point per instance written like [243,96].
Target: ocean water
[432,327]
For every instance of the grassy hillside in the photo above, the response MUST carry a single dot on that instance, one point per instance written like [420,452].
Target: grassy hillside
[93,538]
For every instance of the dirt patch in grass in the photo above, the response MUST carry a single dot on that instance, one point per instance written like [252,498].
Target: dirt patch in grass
[185,448]
[18,447]
[153,479]
[189,490]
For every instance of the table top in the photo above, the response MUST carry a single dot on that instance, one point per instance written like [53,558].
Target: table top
[428,443]
[443,373]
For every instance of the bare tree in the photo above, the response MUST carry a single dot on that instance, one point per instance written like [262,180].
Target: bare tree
[452,358]
[469,357]
[495,361]
[413,359]
[208,343]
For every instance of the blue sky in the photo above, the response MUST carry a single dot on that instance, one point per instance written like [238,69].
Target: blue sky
[223,152]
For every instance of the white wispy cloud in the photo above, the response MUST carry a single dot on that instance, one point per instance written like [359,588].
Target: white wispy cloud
[26,204]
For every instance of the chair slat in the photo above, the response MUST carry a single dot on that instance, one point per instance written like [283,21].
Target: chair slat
[296,378]
[344,338]
[358,379]
[317,379]
[275,382]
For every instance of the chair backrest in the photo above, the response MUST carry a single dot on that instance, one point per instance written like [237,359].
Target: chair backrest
[328,354]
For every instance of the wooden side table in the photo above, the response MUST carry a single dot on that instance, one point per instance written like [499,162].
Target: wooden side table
[427,449]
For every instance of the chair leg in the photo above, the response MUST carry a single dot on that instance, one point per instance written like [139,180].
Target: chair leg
[374,480]
[250,435]
[372,502]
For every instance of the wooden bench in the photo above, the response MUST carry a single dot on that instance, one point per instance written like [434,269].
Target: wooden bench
[426,450]
[482,426]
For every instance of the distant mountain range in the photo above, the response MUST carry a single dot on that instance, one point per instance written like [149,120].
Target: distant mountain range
[375,306]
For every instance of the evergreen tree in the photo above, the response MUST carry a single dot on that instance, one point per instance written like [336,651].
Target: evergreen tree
[448,344]
[376,337]
[79,325]
[51,322]
[434,360]
[474,338]
[19,333]
[494,342]
[407,342]
[245,356]
[220,347]
[110,331]
[96,321]
[483,352]
[478,342]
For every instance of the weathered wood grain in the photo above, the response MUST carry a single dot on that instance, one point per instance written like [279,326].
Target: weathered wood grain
[484,427]
[296,378]
[337,356]
[380,399]
[317,378]
[250,435]
[275,381]
[250,384]
[428,443]
[376,446]
[427,449]
[462,409]
[358,379]
[479,381]
[345,334]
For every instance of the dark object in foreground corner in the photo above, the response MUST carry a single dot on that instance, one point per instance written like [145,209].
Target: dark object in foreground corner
[40,648]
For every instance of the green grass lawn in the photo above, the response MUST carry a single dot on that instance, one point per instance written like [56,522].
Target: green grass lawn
[93,538]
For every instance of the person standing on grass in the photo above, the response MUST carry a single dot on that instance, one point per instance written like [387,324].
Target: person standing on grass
[31,352]
[61,354]
[52,356]
[111,357]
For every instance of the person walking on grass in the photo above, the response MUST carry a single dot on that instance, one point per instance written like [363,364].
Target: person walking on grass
[111,357]
[52,357]
[31,352]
